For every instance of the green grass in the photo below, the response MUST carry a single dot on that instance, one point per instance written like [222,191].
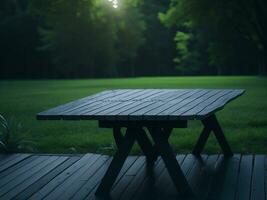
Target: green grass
[243,120]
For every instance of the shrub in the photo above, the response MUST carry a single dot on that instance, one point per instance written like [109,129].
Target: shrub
[11,139]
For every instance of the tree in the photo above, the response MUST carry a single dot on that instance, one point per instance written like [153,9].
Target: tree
[130,27]
[156,55]
[227,27]
[88,38]
[18,41]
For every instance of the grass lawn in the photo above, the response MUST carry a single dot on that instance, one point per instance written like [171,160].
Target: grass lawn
[243,120]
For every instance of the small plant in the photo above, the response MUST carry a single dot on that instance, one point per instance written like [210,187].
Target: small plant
[107,149]
[10,140]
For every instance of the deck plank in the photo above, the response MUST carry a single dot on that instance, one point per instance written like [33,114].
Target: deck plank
[129,162]
[58,177]
[7,157]
[17,166]
[163,181]
[24,170]
[87,191]
[12,161]
[244,178]
[195,174]
[229,186]
[47,189]
[128,193]
[218,178]
[258,189]
[204,181]
[24,176]
[127,178]
[146,189]
[187,166]
[36,176]
[2,156]
[35,187]
[142,176]
[77,182]
[75,177]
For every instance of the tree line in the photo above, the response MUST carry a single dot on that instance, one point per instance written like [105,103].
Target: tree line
[223,37]
[91,38]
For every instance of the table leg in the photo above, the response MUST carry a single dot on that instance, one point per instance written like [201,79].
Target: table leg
[118,137]
[201,141]
[124,144]
[211,124]
[124,148]
[140,135]
[167,132]
[173,167]
[148,149]
[218,132]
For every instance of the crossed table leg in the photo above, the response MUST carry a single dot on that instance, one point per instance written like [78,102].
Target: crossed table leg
[211,124]
[162,147]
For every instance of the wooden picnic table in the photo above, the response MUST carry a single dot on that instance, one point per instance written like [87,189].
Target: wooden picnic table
[157,110]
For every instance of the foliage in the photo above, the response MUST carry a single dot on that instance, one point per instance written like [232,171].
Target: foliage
[76,39]
[18,42]
[230,29]
[88,37]
[156,55]
[130,26]
[10,140]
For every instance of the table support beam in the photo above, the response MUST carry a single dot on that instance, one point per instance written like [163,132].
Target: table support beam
[161,147]
[201,141]
[116,164]
[118,137]
[211,124]
[147,147]
[173,167]
[142,139]
[124,144]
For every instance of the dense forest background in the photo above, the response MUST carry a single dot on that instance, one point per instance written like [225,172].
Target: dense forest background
[92,38]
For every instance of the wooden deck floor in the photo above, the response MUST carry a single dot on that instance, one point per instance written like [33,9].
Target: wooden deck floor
[26,176]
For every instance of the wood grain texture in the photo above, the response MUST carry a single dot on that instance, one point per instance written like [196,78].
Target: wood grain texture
[144,104]
[75,177]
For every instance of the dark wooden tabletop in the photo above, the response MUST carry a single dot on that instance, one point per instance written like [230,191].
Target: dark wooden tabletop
[145,104]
